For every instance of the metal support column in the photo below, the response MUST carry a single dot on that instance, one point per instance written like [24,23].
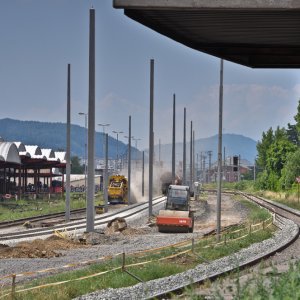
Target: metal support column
[90,210]
[151,136]
[173,142]
[220,152]
[68,152]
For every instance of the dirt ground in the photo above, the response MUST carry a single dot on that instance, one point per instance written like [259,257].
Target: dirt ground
[232,213]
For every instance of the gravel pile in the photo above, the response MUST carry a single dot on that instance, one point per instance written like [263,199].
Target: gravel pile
[156,287]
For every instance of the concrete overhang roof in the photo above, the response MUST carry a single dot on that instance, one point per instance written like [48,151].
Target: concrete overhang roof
[254,33]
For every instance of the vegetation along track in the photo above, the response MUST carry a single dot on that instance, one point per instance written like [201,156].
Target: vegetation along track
[80,224]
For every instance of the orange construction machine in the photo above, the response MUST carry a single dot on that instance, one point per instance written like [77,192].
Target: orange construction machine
[177,215]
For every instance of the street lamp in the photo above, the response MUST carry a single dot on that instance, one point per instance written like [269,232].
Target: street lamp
[117,132]
[85,148]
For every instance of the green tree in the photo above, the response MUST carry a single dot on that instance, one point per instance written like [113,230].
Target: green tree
[277,154]
[292,134]
[76,167]
[262,148]
[291,170]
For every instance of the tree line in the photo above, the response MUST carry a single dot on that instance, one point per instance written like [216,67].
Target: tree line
[278,158]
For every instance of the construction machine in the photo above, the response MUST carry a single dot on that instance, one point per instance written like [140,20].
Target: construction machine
[117,189]
[177,215]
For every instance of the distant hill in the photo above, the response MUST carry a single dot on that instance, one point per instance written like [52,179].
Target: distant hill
[53,135]
[234,144]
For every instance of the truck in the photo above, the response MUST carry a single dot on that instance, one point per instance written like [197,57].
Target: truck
[117,189]
[177,215]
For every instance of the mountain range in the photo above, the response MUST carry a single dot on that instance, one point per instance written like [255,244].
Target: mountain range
[53,135]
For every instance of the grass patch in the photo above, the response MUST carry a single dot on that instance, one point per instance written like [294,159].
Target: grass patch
[29,208]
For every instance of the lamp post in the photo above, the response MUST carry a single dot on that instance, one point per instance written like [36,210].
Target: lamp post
[117,133]
[85,148]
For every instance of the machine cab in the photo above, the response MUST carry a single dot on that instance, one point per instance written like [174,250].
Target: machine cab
[178,198]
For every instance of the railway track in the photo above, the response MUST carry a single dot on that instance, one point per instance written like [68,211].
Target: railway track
[79,225]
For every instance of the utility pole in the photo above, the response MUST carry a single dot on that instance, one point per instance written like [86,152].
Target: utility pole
[143,175]
[105,177]
[129,162]
[220,152]
[173,142]
[191,155]
[184,149]
[193,159]
[68,154]
[90,210]
[151,136]
[209,165]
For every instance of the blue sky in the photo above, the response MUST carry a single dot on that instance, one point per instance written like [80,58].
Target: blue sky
[40,37]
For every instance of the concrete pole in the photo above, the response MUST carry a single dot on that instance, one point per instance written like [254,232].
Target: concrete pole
[105,177]
[151,136]
[90,210]
[191,155]
[159,152]
[220,152]
[224,164]
[143,175]
[184,149]
[193,159]
[129,163]
[173,142]
[85,155]
[68,153]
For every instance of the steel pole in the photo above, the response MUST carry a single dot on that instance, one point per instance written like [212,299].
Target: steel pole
[90,211]
[173,142]
[151,134]
[68,156]
[193,159]
[184,149]
[143,175]
[191,155]
[85,156]
[220,152]
[105,183]
[129,163]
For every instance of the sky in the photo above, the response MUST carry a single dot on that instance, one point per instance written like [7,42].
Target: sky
[39,38]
